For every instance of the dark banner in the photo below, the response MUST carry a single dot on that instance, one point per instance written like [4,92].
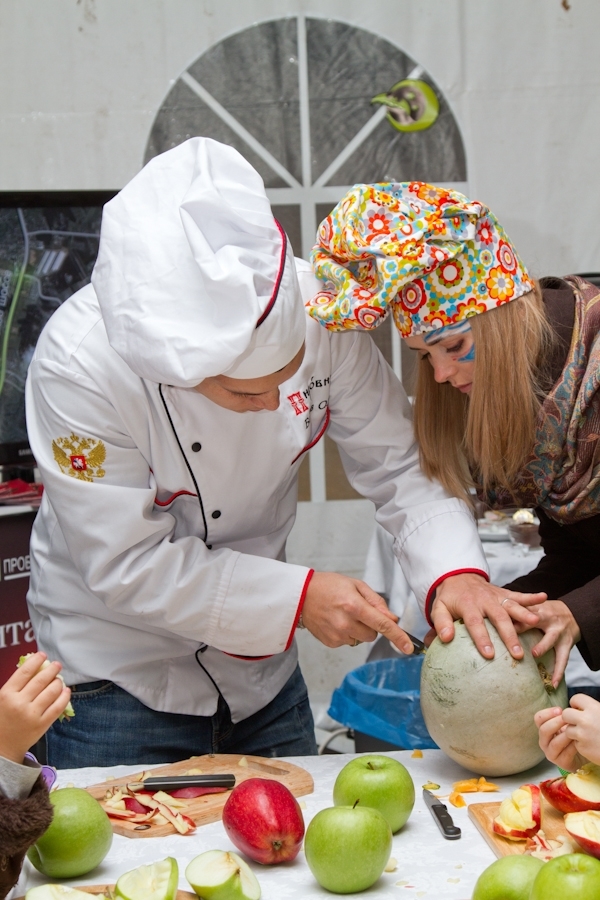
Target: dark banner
[16,634]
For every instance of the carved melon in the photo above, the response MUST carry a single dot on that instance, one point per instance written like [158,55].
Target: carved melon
[480,712]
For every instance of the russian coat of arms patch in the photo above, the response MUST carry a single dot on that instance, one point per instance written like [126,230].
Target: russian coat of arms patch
[80,457]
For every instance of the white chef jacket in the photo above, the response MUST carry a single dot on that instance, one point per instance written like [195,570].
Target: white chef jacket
[163,524]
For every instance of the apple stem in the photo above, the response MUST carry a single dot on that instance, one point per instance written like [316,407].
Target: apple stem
[356,802]
[370,765]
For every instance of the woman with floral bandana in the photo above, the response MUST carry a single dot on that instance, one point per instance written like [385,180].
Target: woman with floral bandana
[508,394]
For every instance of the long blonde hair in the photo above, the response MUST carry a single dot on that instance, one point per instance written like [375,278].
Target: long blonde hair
[487,436]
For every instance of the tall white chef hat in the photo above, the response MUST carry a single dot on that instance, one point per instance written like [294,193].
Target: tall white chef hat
[194,276]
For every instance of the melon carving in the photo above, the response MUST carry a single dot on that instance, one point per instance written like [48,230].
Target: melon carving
[480,712]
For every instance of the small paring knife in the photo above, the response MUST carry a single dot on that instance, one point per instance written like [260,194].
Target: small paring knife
[442,817]
[176,782]
[419,646]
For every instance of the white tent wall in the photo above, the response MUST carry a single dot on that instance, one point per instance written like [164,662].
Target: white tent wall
[82,82]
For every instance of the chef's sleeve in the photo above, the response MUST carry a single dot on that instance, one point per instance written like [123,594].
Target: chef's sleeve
[435,535]
[125,548]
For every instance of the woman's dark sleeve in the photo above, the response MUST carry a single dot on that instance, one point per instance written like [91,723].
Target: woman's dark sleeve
[570,571]
[22,822]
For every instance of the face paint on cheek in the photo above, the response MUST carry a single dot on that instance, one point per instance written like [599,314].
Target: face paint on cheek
[468,357]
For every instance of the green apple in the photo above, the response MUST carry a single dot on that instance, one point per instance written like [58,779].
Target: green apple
[78,838]
[58,892]
[380,782]
[219,875]
[574,876]
[158,881]
[509,878]
[347,847]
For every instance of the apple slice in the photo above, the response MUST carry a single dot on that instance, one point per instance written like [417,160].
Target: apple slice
[584,827]
[68,712]
[520,815]
[576,792]
[156,882]
[219,875]
[57,892]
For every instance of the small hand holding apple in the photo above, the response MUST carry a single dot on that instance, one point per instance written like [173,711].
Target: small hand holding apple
[30,701]
[558,747]
[339,610]
[582,720]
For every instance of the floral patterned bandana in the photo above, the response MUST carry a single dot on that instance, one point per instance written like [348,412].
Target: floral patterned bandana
[427,253]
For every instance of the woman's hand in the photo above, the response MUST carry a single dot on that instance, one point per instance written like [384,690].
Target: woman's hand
[561,631]
[471,598]
[30,701]
[558,746]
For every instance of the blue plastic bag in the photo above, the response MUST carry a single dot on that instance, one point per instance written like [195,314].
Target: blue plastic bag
[382,699]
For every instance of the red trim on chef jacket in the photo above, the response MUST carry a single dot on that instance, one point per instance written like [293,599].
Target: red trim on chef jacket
[271,302]
[294,626]
[317,438]
[431,592]
[173,497]
[300,608]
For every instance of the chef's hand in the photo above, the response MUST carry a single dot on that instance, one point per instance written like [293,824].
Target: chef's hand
[561,631]
[558,745]
[340,610]
[471,598]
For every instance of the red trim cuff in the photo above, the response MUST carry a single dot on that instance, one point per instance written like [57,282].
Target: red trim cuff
[299,610]
[431,592]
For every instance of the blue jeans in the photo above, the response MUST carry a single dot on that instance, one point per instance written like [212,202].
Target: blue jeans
[112,727]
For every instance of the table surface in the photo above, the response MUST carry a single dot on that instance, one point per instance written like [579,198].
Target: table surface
[427,865]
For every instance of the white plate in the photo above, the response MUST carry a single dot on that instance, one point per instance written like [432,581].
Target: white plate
[494,531]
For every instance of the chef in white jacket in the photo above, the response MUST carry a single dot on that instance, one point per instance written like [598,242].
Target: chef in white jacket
[169,406]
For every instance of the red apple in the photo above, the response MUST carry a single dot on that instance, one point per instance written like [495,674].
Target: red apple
[584,827]
[264,820]
[520,815]
[576,792]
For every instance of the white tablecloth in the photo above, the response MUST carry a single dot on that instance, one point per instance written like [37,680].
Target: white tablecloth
[428,865]
[506,562]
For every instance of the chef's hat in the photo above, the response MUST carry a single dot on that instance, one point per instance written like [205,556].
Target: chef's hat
[194,276]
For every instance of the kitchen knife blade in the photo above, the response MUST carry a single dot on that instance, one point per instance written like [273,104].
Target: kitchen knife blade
[176,782]
[441,815]
[419,646]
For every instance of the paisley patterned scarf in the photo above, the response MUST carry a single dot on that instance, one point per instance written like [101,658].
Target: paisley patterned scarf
[563,473]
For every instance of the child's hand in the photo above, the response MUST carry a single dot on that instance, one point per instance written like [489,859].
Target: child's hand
[582,726]
[558,747]
[30,701]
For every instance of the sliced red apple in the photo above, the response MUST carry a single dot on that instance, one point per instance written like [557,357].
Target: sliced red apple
[584,827]
[576,792]
[520,815]
[189,793]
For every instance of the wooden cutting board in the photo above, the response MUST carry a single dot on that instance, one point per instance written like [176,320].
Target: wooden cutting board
[102,888]
[483,815]
[209,807]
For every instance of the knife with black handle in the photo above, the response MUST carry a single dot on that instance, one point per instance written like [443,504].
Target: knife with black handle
[176,782]
[442,817]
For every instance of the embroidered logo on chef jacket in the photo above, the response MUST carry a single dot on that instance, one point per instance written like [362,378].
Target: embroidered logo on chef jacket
[80,458]
[298,404]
